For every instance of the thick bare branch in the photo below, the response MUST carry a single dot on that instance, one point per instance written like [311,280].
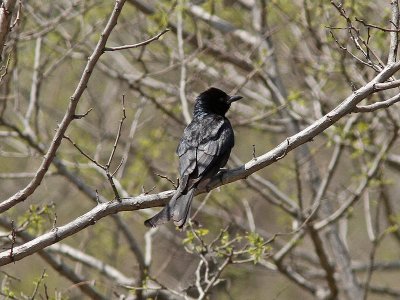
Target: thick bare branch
[69,114]
[88,219]
[146,201]
[83,284]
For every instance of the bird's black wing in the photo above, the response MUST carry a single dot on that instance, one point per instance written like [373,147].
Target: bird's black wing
[204,149]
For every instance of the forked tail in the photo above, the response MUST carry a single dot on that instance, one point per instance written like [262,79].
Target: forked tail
[177,209]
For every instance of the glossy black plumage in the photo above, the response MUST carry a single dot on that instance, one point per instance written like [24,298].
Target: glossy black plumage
[203,150]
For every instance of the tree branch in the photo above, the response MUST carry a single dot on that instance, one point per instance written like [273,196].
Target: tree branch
[69,114]
[144,43]
[6,9]
[153,200]
[377,105]
[394,36]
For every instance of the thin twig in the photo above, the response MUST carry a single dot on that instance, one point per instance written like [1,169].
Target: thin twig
[215,277]
[377,105]
[84,153]
[144,43]
[121,122]
[167,178]
[37,284]
[375,26]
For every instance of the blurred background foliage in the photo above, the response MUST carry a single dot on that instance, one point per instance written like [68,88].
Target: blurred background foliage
[303,52]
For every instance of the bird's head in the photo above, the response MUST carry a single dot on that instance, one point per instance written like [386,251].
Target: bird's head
[214,101]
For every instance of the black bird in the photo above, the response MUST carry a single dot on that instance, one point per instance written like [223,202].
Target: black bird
[203,150]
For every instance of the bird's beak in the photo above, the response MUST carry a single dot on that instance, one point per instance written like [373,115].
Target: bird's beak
[234,98]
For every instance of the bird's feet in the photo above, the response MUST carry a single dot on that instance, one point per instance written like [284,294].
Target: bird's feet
[219,175]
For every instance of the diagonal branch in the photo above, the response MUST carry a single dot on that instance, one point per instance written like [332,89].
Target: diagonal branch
[361,188]
[69,114]
[90,218]
[91,261]
[153,200]
[144,43]
[83,284]
[378,105]
[307,134]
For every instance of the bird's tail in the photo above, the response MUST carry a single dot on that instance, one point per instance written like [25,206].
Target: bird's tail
[177,209]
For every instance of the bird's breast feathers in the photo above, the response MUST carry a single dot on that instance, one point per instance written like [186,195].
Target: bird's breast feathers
[205,145]
[208,134]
